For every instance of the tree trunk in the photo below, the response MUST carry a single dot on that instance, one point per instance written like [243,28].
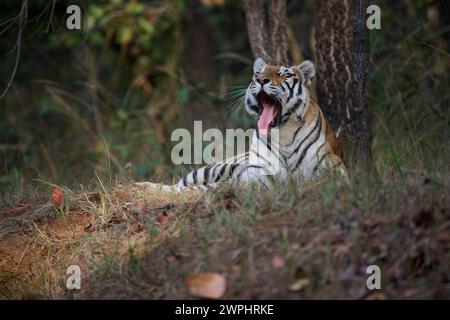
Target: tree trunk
[342,56]
[278,31]
[333,60]
[256,28]
[268,38]
[359,114]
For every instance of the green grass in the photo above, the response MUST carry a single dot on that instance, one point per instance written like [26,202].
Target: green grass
[326,232]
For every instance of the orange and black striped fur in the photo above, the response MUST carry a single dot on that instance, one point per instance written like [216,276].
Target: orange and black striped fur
[292,140]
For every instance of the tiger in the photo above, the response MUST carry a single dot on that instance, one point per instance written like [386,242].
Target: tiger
[292,138]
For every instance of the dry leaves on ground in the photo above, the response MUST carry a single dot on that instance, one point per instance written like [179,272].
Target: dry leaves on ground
[209,285]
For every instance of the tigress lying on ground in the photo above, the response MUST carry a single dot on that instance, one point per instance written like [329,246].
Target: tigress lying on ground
[304,145]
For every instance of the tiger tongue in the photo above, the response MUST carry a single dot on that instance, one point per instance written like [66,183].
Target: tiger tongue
[268,114]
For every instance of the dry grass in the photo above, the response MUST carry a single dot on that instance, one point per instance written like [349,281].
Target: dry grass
[312,241]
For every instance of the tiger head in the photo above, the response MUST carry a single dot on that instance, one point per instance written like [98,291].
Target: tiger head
[278,93]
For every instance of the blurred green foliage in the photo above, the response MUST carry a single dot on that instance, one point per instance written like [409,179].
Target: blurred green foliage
[105,99]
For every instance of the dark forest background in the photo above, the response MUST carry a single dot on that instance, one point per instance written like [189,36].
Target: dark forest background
[105,99]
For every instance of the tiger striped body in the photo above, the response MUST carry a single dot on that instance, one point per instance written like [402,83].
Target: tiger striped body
[292,140]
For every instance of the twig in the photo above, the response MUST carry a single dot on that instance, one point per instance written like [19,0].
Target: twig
[22,21]
[50,20]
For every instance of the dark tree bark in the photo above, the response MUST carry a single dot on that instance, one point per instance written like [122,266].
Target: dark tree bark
[359,114]
[278,31]
[267,37]
[342,56]
[333,39]
[257,28]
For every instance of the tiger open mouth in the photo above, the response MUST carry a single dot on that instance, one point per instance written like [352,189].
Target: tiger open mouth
[270,112]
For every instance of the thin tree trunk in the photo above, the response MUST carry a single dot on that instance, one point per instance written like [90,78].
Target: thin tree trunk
[360,104]
[257,28]
[278,31]
[268,37]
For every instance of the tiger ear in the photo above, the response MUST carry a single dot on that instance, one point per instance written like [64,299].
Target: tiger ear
[308,71]
[258,65]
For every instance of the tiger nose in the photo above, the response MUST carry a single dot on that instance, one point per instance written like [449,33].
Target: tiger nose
[262,79]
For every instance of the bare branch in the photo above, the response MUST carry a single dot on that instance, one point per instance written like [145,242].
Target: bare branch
[22,21]
[50,20]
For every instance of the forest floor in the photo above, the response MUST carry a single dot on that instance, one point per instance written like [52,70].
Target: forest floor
[297,242]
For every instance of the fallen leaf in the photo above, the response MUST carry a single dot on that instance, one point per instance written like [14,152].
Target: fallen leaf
[278,262]
[209,285]
[162,217]
[299,284]
[376,296]
[57,196]
[444,236]
[171,259]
